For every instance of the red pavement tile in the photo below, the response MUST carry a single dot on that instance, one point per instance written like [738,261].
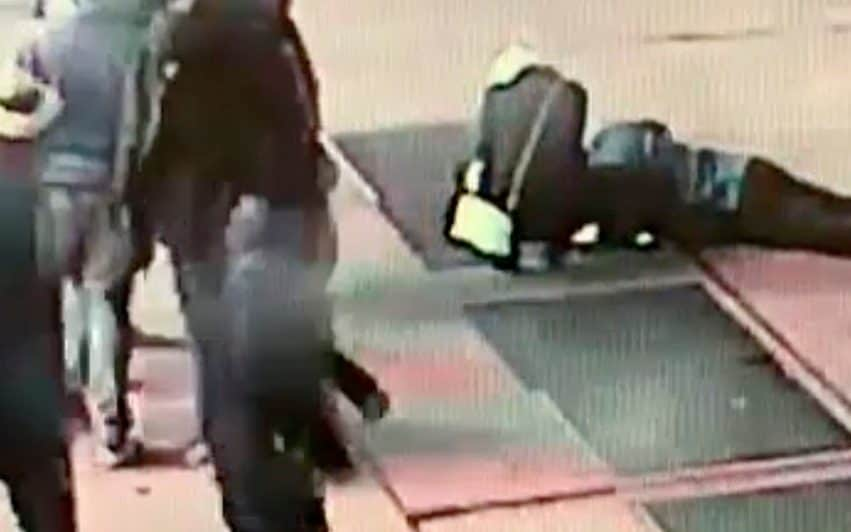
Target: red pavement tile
[361,505]
[443,377]
[802,297]
[431,485]
[143,499]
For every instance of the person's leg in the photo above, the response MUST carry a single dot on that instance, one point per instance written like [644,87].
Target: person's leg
[359,386]
[103,386]
[126,432]
[197,283]
[623,202]
[34,457]
[64,227]
[199,265]
[238,445]
[107,270]
[257,495]
[41,495]
[280,235]
[262,490]
[781,211]
[75,311]
[197,452]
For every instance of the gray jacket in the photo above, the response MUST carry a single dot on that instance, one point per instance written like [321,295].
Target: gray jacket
[88,59]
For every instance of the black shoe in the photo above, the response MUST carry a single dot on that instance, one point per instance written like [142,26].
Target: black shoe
[332,457]
[124,449]
[328,451]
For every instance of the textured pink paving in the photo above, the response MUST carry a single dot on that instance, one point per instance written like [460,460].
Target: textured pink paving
[806,298]
[439,377]
[433,484]
[426,484]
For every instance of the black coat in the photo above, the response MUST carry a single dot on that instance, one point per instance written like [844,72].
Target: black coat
[548,196]
[235,120]
[30,386]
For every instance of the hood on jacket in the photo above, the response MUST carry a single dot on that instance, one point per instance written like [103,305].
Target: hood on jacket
[510,63]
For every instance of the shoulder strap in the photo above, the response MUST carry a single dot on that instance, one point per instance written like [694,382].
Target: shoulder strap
[520,170]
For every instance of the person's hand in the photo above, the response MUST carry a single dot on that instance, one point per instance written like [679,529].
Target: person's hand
[25,102]
[27,112]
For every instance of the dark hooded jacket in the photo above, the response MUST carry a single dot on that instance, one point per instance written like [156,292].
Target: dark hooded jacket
[557,161]
[234,121]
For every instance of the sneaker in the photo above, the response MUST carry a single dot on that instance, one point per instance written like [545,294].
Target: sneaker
[108,457]
[375,406]
[646,241]
[115,445]
[196,455]
[329,453]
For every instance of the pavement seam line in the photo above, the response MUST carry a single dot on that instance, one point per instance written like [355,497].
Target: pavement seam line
[752,477]
[696,483]
[347,168]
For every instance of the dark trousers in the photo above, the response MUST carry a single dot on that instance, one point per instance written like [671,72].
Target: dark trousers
[781,211]
[119,298]
[352,380]
[35,460]
[261,362]
[777,210]
[356,384]
[41,494]
[263,490]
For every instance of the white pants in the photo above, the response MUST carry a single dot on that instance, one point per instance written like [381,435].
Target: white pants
[91,227]
[88,317]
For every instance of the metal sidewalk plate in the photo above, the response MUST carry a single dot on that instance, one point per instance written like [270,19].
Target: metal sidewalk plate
[657,379]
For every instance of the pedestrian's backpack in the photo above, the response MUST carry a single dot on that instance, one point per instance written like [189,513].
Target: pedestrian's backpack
[519,183]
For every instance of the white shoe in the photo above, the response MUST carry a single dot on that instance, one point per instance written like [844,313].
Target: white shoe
[129,453]
[103,457]
[105,438]
[196,455]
